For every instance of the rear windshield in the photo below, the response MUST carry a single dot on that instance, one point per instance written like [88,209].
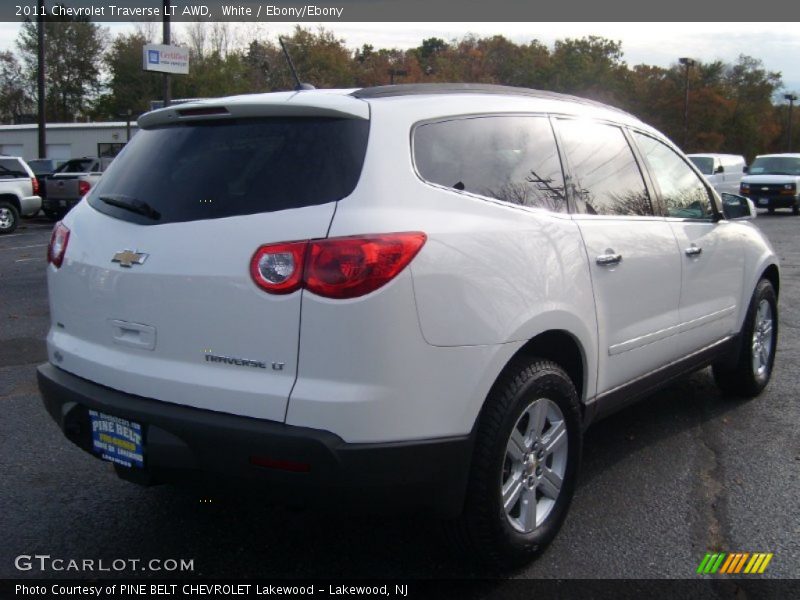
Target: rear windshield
[704,163]
[223,168]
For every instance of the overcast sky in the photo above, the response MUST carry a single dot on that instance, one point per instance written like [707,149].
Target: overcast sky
[776,44]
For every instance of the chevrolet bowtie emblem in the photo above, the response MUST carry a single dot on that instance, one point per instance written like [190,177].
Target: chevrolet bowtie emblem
[128,258]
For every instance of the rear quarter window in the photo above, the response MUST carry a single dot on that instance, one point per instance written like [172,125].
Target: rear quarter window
[509,158]
[224,168]
[11,168]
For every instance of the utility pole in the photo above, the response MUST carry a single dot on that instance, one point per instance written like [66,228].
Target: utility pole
[687,63]
[166,42]
[791,98]
[42,117]
[396,72]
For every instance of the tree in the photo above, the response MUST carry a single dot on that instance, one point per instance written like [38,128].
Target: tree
[129,87]
[321,59]
[751,88]
[73,57]
[15,99]
[591,66]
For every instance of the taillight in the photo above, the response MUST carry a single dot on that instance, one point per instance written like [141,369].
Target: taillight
[83,188]
[278,268]
[355,266]
[58,244]
[346,267]
[35,184]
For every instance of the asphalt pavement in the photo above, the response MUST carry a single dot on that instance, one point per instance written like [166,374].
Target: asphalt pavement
[680,474]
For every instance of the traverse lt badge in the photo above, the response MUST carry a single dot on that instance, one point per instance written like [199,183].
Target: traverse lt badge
[128,258]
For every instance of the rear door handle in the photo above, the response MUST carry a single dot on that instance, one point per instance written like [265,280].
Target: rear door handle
[609,258]
[694,250]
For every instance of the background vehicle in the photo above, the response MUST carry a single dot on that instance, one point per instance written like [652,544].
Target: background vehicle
[723,171]
[773,181]
[70,182]
[465,314]
[43,168]
[19,191]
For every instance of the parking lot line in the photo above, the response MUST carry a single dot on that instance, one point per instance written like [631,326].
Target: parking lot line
[23,247]
[27,259]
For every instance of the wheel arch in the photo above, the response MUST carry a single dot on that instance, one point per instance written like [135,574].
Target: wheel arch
[563,348]
[772,274]
[13,200]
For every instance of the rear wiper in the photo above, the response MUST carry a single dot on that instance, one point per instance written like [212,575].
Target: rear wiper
[131,204]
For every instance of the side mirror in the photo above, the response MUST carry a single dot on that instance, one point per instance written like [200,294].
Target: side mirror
[745,169]
[719,169]
[737,207]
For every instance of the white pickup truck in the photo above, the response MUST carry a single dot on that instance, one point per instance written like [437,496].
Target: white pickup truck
[71,182]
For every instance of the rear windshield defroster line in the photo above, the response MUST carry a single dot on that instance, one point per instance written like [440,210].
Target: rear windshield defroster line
[223,168]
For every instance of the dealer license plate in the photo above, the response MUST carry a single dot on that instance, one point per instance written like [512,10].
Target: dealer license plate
[117,440]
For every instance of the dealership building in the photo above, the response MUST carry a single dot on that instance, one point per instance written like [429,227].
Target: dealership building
[66,140]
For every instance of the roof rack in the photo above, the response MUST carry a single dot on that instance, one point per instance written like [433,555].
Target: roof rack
[416,89]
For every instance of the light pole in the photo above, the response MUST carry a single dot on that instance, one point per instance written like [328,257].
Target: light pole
[167,40]
[396,72]
[40,88]
[791,98]
[687,63]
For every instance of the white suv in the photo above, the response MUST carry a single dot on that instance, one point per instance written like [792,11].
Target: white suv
[411,296]
[19,192]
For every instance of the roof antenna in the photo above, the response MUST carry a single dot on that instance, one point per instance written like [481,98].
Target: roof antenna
[300,85]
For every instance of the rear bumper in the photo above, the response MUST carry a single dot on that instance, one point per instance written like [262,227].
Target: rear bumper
[30,206]
[59,203]
[186,443]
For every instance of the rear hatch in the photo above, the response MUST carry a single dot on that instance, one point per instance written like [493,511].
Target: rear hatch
[155,296]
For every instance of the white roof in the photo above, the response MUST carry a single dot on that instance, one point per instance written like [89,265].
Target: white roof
[424,102]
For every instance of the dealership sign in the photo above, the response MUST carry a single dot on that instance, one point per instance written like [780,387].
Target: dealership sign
[165,59]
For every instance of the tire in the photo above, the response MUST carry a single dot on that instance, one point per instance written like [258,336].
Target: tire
[507,536]
[53,215]
[752,370]
[9,217]
[796,210]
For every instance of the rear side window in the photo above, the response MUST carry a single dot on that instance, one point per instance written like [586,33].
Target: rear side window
[605,177]
[11,168]
[224,168]
[510,158]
